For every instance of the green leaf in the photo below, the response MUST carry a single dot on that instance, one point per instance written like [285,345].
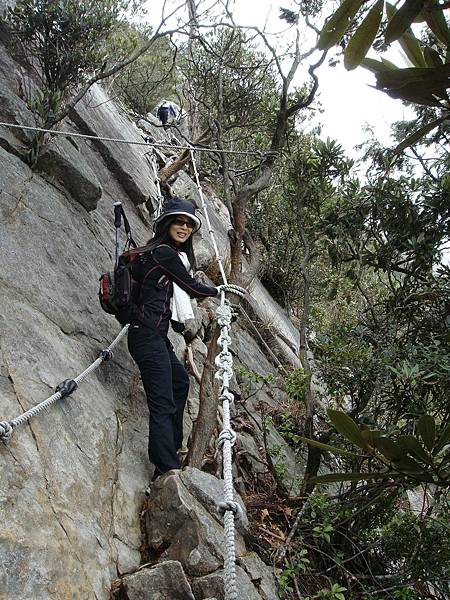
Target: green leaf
[418,135]
[410,45]
[370,436]
[388,448]
[388,63]
[327,447]
[421,85]
[426,477]
[412,445]
[444,438]
[432,57]
[375,66]
[409,465]
[337,477]
[338,23]
[401,77]
[412,49]
[390,10]
[427,430]
[437,23]
[347,427]
[363,37]
[402,19]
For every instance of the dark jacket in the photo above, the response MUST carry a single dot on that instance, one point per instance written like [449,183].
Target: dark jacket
[155,273]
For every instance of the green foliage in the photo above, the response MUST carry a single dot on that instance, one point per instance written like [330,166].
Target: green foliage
[338,23]
[364,531]
[296,384]
[296,567]
[316,173]
[142,84]
[402,19]
[65,44]
[405,455]
[323,532]
[335,592]
[364,36]
[66,40]
[407,532]
[405,593]
[231,85]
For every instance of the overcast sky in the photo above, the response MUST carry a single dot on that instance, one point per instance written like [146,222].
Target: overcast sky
[349,100]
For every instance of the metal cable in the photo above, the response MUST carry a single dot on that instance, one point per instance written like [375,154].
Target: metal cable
[208,222]
[154,166]
[260,155]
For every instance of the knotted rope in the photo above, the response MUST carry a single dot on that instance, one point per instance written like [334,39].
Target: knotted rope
[227,438]
[229,508]
[64,389]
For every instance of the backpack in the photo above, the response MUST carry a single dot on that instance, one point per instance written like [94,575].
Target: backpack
[117,287]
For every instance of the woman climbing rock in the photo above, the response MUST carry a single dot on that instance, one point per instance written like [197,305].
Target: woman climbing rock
[164,289]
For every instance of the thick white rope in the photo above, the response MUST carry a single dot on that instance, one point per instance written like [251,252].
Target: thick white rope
[70,385]
[229,508]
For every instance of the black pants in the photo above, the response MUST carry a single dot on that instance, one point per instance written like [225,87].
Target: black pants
[166,385]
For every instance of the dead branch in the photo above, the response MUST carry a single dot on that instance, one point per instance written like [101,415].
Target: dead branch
[171,169]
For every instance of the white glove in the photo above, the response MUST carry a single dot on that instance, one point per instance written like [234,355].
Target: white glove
[234,289]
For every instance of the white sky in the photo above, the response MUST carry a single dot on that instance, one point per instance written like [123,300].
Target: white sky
[348,101]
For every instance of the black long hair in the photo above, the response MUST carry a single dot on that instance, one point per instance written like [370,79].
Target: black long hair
[162,236]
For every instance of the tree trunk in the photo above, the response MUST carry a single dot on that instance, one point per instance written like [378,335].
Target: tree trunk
[207,414]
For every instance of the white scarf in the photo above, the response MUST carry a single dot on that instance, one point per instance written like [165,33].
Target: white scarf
[180,305]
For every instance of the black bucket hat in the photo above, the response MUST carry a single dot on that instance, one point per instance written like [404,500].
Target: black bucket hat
[178,206]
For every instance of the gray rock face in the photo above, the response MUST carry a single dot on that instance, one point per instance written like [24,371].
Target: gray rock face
[213,584]
[13,108]
[272,314]
[181,519]
[261,575]
[208,491]
[71,480]
[97,115]
[177,522]
[62,161]
[161,582]
[5,4]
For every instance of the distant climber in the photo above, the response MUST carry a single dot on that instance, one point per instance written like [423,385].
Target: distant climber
[165,110]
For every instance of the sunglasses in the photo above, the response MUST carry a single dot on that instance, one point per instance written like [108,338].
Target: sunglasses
[180,222]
